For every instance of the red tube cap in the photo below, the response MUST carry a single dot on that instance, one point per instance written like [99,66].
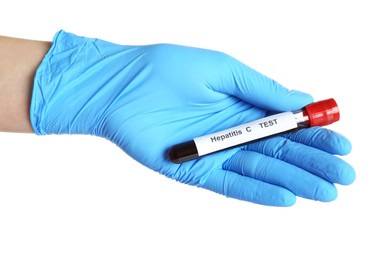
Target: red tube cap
[323,112]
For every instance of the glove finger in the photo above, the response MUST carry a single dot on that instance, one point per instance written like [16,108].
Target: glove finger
[248,189]
[323,139]
[270,170]
[253,87]
[313,160]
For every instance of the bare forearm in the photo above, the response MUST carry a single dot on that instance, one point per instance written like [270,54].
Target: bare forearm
[19,59]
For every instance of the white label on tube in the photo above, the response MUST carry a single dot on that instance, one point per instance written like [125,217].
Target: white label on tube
[245,133]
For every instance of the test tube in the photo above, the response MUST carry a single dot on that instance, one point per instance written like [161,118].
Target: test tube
[319,113]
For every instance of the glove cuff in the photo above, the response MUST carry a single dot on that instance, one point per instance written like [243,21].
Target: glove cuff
[75,84]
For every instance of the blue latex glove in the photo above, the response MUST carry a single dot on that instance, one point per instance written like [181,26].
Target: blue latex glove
[147,98]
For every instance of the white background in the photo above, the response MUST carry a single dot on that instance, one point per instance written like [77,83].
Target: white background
[80,197]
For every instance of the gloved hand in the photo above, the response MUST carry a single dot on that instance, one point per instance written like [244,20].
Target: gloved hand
[147,98]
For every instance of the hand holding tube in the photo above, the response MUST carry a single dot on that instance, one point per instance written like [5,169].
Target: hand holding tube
[147,98]
[320,113]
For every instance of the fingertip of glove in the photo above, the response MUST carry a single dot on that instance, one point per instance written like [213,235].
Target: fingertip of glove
[298,99]
[333,142]
[327,194]
[288,199]
[279,198]
[306,97]
[348,175]
[345,147]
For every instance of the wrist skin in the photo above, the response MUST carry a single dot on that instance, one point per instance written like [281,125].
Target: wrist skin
[19,60]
